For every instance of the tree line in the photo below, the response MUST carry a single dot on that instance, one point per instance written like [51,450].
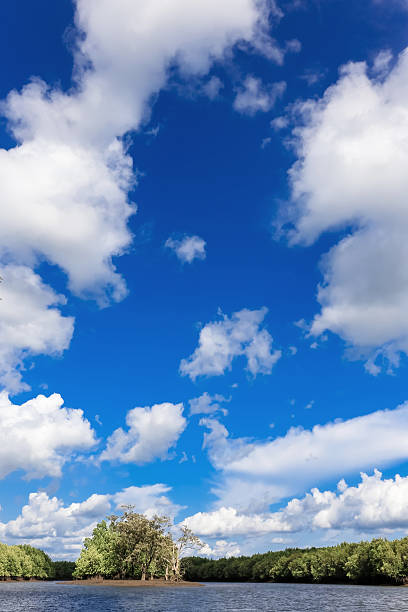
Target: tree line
[24,562]
[377,562]
[134,546]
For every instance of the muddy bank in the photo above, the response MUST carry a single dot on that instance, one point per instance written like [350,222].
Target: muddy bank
[133,583]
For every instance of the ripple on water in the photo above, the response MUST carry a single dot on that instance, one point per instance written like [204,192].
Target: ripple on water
[47,597]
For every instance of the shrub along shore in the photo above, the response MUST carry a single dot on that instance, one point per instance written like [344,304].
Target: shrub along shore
[377,562]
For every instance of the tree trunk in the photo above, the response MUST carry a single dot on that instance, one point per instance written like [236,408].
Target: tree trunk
[143,575]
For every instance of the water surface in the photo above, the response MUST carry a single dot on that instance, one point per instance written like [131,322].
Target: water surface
[213,597]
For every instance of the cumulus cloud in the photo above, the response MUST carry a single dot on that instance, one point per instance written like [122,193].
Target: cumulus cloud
[275,469]
[30,323]
[220,549]
[188,248]
[60,529]
[207,404]
[253,96]
[228,521]
[375,504]
[221,341]
[66,184]
[351,175]
[147,499]
[151,433]
[40,435]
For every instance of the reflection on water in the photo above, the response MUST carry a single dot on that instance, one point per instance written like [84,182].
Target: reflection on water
[44,597]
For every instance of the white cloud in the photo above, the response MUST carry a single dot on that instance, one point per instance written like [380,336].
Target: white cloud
[40,435]
[221,341]
[274,469]
[58,529]
[212,87]
[61,193]
[47,517]
[220,549]
[30,323]
[184,457]
[207,404]
[382,62]
[148,499]
[375,504]
[351,173]
[279,123]
[253,96]
[152,432]
[66,184]
[227,521]
[188,248]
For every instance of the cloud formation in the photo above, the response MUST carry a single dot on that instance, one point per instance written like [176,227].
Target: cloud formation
[147,499]
[253,96]
[274,469]
[152,432]
[30,323]
[208,404]
[375,504]
[67,181]
[40,435]
[188,248]
[350,176]
[220,549]
[222,341]
[227,521]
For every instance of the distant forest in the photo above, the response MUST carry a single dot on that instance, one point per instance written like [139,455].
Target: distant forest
[23,562]
[377,562]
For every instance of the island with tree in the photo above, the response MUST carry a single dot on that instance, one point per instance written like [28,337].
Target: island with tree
[133,546]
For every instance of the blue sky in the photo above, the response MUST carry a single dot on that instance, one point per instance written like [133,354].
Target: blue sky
[204,201]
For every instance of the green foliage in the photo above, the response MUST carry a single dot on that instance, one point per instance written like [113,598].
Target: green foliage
[375,562]
[133,546]
[24,561]
[98,557]
[41,564]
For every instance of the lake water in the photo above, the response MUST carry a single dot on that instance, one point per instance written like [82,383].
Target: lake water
[44,597]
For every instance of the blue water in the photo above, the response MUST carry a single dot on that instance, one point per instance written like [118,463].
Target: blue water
[44,597]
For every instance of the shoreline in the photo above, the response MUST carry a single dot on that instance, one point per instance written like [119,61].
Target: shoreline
[133,583]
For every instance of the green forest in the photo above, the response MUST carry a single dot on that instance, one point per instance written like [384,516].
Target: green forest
[375,562]
[23,562]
